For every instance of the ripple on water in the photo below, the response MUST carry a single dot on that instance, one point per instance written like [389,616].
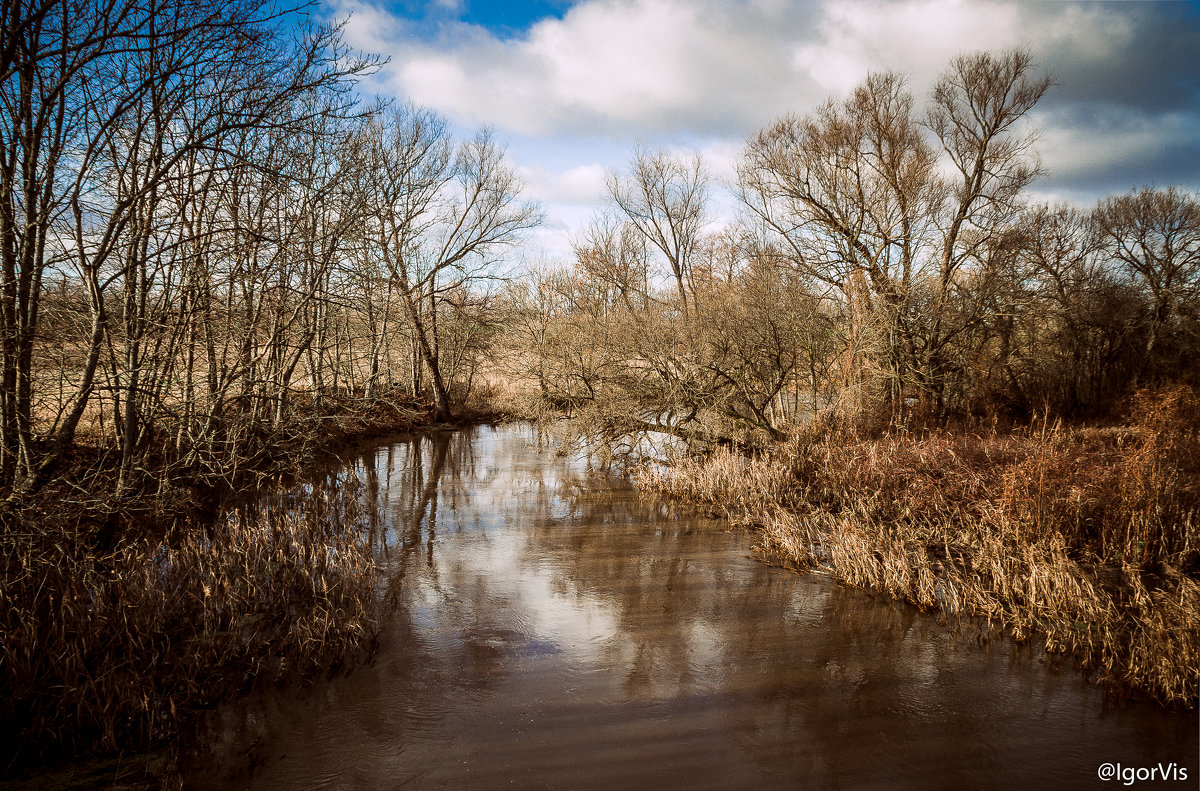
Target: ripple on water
[552,631]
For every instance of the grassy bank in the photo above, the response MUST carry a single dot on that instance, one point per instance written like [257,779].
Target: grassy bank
[1086,538]
[112,651]
[124,613]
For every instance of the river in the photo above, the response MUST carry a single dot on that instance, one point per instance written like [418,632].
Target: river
[549,629]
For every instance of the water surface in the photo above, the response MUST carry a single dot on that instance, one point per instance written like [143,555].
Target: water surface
[552,630]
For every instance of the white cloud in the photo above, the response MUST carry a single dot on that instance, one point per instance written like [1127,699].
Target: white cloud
[616,59]
[612,73]
[1092,33]
[917,37]
[608,67]
[1112,140]
[645,67]
[568,198]
[579,185]
[367,27]
[721,158]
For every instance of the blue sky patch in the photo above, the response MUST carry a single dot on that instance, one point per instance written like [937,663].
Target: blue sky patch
[503,19]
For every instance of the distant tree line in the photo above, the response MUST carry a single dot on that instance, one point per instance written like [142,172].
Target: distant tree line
[886,261]
[205,237]
[208,243]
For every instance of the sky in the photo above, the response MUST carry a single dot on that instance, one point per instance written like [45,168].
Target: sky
[572,87]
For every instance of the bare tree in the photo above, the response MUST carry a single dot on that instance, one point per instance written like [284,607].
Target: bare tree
[615,256]
[850,196]
[440,211]
[854,196]
[106,103]
[1153,236]
[665,198]
[976,111]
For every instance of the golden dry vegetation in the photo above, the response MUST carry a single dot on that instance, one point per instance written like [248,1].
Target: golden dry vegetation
[1086,539]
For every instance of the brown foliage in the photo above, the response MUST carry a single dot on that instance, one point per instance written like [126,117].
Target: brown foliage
[112,650]
[1086,537]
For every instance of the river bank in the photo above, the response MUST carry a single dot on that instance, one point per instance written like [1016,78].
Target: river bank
[551,628]
[125,614]
[1084,539]
[289,586]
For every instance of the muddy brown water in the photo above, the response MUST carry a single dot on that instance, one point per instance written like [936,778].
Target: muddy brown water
[552,630]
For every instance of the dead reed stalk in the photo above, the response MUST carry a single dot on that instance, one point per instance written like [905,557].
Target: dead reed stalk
[111,651]
[1086,538]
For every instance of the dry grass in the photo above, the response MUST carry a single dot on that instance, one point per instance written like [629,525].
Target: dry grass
[111,651]
[1087,538]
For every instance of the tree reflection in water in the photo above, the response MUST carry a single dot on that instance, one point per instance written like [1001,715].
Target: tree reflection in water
[550,629]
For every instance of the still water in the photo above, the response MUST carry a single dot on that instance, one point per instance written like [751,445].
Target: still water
[552,630]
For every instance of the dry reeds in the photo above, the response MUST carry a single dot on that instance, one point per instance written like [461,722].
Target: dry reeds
[1084,537]
[111,651]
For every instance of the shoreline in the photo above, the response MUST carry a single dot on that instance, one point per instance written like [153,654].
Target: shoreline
[1029,531]
[155,608]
